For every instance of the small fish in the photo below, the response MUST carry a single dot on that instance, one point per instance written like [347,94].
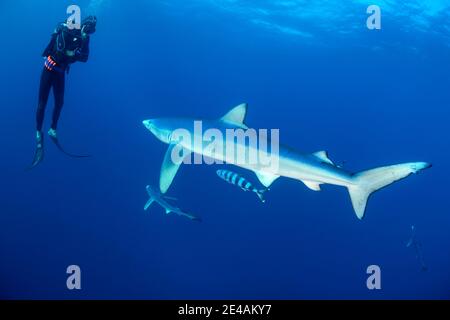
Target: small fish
[241,182]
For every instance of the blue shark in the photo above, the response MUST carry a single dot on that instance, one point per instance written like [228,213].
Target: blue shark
[156,197]
[313,169]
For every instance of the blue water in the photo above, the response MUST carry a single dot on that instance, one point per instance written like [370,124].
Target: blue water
[315,71]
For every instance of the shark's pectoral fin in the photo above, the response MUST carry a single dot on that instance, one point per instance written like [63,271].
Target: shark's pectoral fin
[168,211]
[312,185]
[149,203]
[172,160]
[266,178]
[323,156]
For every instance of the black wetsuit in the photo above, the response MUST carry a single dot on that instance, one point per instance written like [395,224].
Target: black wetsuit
[63,40]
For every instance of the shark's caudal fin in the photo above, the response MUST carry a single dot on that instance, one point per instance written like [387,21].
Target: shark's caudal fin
[260,194]
[367,182]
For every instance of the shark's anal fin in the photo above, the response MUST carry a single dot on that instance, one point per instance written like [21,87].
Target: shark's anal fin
[237,116]
[170,168]
[266,179]
[312,185]
[323,156]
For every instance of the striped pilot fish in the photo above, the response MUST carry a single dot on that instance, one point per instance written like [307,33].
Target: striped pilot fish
[241,182]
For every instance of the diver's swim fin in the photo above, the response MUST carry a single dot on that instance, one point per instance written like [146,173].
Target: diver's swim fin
[38,157]
[39,154]
[58,145]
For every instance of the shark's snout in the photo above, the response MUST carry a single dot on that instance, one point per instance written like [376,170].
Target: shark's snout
[159,129]
[148,124]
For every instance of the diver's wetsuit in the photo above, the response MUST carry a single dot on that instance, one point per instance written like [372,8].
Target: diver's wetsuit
[56,65]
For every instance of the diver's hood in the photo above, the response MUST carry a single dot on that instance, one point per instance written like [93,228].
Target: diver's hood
[89,24]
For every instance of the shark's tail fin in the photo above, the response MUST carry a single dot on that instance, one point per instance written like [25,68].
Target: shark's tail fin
[260,194]
[367,182]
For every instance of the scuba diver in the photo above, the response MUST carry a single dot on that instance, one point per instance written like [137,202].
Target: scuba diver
[417,246]
[66,46]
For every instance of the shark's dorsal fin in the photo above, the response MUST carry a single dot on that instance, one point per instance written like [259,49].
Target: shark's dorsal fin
[266,178]
[236,116]
[169,169]
[312,185]
[323,156]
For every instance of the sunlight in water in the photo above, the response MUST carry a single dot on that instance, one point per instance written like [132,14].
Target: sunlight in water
[95,5]
[307,18]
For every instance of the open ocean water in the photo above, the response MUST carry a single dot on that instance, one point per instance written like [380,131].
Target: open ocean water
[311,69]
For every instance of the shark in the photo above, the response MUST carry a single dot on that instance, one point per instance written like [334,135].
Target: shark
[312,169]
[157,197]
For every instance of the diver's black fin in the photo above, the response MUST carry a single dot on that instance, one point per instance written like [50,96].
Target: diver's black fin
[39,153]
[58,145]
[38,157]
